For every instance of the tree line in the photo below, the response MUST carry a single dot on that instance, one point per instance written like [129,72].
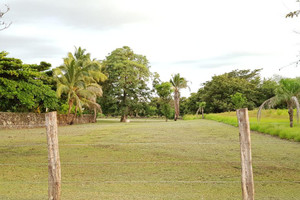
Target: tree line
[120,85]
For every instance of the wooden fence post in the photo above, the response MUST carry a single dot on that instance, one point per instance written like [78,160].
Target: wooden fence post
[54,171]
[246,157]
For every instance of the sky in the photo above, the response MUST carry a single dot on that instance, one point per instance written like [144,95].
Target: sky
[198,39]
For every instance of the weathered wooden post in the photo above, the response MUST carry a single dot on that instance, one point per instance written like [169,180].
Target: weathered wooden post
[54,171]
[246,157]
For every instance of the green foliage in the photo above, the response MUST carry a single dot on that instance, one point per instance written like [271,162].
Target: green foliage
[238,100]
[77,78]
[190,105]
[23,87]
[217,92]
[164,91]
[127,81]
[287,92]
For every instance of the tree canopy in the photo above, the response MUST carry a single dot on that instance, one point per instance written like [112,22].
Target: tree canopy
[23,87]
[77,78]
[217,92]
[128,74]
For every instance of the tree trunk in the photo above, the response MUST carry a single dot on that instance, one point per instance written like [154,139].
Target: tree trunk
[202,110]
[74,117]
[197,111]
[123,118]
[291,115]
[166,119]
[125,109]
[176,103]
[95,115]
[70,106]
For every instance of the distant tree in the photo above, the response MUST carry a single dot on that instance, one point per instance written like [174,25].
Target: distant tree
[238,100]
[3,24]
[288,91]
[178,83]
[201,106]
[164,91]
[24,87]
[190,106]
[216,92]
[127,81]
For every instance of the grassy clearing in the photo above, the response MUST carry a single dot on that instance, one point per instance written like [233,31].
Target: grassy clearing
[197,159]
[273,122]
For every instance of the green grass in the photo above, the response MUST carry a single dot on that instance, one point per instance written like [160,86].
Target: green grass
[273,122]
[197,159]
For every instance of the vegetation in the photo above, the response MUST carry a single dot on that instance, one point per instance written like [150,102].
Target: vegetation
[178,83]
[126,86]
[164,90]
[201,106]
[273,122]
[287,92]
[77,78]
[238,100]
[217,92]
[25,88]
[197,159]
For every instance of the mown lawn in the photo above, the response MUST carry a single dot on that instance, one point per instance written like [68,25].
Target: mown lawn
[273,122]
[197,159]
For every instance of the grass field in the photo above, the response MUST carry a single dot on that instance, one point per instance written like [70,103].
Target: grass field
[273,122]
[197,159]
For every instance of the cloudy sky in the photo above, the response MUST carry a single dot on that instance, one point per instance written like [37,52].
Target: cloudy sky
[195,38]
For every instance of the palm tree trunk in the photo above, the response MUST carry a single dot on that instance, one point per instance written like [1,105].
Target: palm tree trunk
[176,103]
[70,106]
[291,115]
[202,110]
[95,115]
[74,117]
[197,111]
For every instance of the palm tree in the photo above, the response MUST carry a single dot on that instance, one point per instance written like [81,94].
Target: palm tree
[78,78]
[177,83]
[201,106]
[288,91]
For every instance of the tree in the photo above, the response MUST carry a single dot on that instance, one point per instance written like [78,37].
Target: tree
[216,92]
[178,83]
[238,100]
[288,91]
[23,87]
[77,78]
[190,105]
[3,24]
[201,106]
[127,82]
[164,91]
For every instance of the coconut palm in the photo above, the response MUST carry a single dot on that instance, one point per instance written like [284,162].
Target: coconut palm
[288,91]
[178,83]
[78,78]
[201,106]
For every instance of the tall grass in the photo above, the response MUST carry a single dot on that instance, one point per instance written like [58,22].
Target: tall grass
[274,122]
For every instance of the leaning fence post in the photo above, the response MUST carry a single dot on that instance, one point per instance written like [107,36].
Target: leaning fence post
[246,157]
[54,171]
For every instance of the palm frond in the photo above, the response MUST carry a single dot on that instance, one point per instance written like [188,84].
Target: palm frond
[269,102]
[296,103]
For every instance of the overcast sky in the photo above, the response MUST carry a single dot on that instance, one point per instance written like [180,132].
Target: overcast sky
[195,38]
